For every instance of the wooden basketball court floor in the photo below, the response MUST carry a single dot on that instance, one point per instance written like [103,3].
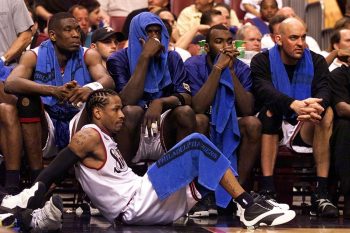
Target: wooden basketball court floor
[302,223]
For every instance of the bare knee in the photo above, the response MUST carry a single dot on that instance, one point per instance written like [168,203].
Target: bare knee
[250,126]
[184,117]
[8,114]
[133,115]
[202,124]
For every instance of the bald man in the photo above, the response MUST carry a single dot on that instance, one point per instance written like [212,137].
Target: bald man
[294,97]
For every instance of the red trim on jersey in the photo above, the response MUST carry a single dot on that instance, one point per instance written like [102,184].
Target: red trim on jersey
[29,120]
[105,160]
[194,191]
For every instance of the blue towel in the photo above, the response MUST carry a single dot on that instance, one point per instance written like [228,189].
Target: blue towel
[194,156]
[224,129]
[300,86]
[158,75]
[4,71]
[48,72]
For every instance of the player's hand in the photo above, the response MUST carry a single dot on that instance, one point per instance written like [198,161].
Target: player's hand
[79,95]
[151,47]
[152,116]
[62,93]
[226,57]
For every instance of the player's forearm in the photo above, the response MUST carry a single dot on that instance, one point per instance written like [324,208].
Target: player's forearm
[28,87]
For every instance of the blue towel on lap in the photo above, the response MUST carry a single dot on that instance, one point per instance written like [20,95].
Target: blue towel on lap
[158,75]
[224,129]
[48,71]
[194,156]
[300,86]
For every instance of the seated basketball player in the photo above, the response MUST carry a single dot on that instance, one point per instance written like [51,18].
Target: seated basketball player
[165,193]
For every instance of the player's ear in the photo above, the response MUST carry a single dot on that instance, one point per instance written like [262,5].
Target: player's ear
[97,113]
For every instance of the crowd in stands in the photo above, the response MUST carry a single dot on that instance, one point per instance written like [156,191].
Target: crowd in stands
[249,85]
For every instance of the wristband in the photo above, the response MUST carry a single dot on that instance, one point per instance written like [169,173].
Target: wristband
[180,98]
[94,86]
[3,59]
[218,67]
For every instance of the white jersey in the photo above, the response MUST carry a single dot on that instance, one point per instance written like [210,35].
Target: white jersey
[112,186]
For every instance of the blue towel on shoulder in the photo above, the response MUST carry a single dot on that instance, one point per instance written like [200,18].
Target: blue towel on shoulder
[48,71]
[158,75]
[194,156]
[261,25]
[300,86]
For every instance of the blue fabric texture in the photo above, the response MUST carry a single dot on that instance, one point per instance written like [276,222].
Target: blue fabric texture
[224,130]
[194,156]
[158,75]
[300,86]
[4,71]
[48,72]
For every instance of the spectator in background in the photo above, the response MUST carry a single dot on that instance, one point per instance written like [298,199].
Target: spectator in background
[81,14]
[46,8]
[17,34]
[115,12]
[153,6]
[268,9]
[252,41]
[252,8]
[190,16]
[339,49]
[95,17]
[166,15]
[229,14]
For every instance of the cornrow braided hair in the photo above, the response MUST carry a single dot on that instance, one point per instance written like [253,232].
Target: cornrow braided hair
[98,98]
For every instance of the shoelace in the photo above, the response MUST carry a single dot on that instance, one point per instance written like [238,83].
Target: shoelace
[323,203]
[38,216]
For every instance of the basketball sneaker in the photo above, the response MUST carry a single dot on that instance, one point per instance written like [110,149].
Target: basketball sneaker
[270,197]
[321,206]
[7,220]
[50,216]
[29,198]
[262,213]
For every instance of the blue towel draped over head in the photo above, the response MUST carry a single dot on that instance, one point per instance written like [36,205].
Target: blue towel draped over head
[158,75]
[224,129]
[300,86]
[48,72]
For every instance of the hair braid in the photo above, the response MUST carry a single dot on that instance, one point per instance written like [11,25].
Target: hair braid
[98,98]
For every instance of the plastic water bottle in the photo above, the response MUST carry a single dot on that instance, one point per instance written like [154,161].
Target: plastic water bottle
[201,44]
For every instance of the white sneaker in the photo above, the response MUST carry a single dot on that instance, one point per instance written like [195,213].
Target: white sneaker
[29,198]
[50,216]
[7,220]
[262,213]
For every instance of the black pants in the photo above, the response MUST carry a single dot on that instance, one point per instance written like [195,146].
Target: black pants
[340,151]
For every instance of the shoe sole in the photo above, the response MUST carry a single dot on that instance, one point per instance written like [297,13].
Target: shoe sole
[199,214]
[265,221]
[8,221]
[213,212]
